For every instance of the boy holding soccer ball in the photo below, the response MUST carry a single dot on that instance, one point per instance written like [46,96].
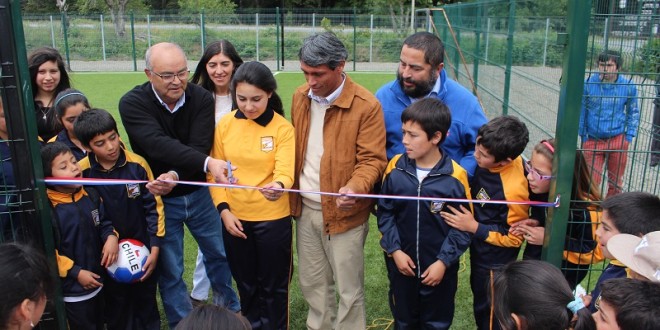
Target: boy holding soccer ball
[81,227]
[135,212]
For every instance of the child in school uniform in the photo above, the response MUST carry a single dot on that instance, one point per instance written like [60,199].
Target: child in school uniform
[85,241]
[500,175]
[135,214]
[422,250]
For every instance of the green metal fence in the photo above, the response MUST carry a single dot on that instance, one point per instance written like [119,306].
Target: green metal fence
[535,67]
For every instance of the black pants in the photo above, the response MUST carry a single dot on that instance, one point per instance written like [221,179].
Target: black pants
[261,265]
[655,129]
[480,281]
[418,306]
[132,306]
[87,314]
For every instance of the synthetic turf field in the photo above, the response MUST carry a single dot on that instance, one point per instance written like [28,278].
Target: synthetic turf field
[104,91]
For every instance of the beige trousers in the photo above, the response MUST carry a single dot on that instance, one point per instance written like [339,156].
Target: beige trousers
[326,261]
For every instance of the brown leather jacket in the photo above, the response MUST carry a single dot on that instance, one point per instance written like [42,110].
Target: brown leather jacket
[353,152]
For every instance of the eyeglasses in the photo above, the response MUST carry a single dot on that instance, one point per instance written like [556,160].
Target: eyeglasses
[535,173]
[169,77]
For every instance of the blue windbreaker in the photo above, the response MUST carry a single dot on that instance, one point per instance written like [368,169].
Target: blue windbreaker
[609,109]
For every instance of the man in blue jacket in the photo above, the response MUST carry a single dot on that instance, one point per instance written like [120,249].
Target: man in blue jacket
[608,120]
[421,75]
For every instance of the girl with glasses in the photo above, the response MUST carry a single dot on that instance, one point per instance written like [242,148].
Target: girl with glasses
[580,249]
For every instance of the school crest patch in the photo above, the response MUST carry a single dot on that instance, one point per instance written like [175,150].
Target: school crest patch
[267,143]
[95,217]
[482,195]
[133,190]
[436,206]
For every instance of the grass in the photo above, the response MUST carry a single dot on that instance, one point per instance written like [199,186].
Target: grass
[104,91]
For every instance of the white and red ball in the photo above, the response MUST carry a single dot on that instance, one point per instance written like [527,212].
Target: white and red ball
[130,261]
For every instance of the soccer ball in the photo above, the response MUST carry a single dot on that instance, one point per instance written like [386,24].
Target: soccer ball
[130,261]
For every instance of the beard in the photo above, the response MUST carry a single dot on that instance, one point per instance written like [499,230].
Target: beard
[420,88]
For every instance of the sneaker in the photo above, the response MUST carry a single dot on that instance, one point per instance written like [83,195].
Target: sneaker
[196,302]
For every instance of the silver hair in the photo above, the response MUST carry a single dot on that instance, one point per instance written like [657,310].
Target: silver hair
[323,48]
[147,54]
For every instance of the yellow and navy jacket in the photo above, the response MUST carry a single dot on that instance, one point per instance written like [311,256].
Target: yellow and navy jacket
[263,150]
[416,227]
[81,228]
[135,212]
[492,244]
[63,137]
[581,247]
[615,269]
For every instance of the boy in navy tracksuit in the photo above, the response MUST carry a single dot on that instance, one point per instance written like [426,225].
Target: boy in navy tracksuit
[135,214]
[500,175]
[80,228]
[634,213]
[422,250]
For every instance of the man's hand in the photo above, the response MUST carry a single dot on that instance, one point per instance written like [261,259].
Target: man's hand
[218,168]
[88,280]
[345,203]
[404,264]
[150,264]
[163,184]
[110,251]
[233,226]
[434,274]
[460,219]
[270,194]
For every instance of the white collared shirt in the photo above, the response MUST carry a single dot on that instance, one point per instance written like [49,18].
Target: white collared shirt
[325,101]
[178,104]
[435,91]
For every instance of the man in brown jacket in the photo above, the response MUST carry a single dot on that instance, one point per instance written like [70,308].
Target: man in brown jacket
[340,147]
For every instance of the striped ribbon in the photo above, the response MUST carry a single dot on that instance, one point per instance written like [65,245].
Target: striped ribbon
[103,182]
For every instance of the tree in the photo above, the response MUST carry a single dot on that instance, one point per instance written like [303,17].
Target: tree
[117,12]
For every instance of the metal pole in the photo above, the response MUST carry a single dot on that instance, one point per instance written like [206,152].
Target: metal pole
[103,37]
[149,30]
[133,41]
[570,99]
[313,22]
[371,38]
[354,37]
[256,20]
[52,31]
[412,16]
[477,46]
[487,40]
[545,43]
[201,29]
[509,56]
[66,41]
[277,37]
[282,29]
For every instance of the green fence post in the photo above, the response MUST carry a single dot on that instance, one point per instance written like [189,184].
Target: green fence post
[509,56]
[354,37]
[457,32]
[477,50]
[570,100]
[66,40]
[133,41]
[277,37]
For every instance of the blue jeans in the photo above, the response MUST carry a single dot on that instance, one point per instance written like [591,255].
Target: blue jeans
[196,210]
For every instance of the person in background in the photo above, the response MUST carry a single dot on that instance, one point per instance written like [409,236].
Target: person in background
[27,282]
[49,77]
[69,104]
[609,119]
[214,72]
